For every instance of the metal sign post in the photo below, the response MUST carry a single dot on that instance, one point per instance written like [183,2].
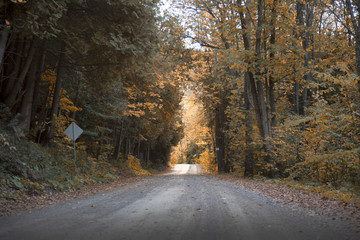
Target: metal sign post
[73,132]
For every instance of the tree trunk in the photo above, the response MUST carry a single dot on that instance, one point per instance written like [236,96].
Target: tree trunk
[357,42]
[257,89]
[27,102]
[16,79]
[42,127]
[77,96]
[220,137]
[57,96]
[118,142]
[249,155]
[306,43]
[355,20]
[11,99]
[3,41]
[37,83]
[272,56]
[296,97]
[298,34]
[138,147]
[219,125]
[12,72]
[148,154]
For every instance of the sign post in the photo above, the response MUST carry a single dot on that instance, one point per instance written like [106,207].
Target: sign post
[73,132]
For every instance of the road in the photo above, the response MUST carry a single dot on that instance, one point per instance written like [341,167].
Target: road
[178,205]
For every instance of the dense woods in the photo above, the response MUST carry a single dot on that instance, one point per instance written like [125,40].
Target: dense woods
[280,84]
[112,67]
[273,87]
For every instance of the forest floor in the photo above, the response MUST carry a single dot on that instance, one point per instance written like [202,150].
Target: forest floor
[316,202]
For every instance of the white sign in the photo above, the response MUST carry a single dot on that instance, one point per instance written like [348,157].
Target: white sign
[217,149]
[73,131]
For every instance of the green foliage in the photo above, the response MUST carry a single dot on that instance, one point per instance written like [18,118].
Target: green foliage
[31,168]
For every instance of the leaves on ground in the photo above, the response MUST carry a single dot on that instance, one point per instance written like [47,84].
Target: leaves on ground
[47,198]
[314,202]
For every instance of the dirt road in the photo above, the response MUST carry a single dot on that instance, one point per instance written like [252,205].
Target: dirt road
[179,205]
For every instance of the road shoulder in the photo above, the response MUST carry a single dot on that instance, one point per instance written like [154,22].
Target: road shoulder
[296,198]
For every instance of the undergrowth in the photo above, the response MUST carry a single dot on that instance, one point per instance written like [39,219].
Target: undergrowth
[27,168]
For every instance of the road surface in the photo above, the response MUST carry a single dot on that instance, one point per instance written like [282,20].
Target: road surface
[179,205]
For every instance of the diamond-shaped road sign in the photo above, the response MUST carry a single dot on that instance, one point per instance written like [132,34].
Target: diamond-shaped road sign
[73,131]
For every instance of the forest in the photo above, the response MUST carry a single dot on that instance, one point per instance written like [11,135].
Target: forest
[279,87]
[251,87]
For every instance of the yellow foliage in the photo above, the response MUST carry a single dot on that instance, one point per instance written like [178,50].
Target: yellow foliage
[133,165]
[207,161]
[66,105]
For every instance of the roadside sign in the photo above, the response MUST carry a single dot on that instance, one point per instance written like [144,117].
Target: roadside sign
[73,131]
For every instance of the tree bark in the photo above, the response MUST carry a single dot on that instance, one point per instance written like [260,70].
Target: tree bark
[257,89]
[77,96]
[117,146]
[27,101]
[37,83]
[296,97]
[249,155]
[220,137]
[57,95]
[298,34]
[14,92]
[12,72]
[306,43]
[3,41]
[272,56]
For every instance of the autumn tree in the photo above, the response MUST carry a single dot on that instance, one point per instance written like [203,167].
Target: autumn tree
[279,63]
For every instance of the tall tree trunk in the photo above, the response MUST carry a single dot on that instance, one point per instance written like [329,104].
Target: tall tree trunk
[357,41]
[37,84]
[306,43]
[219,125]
[257,89]
[298,34]
[272,56]
[256,84]
[3,41]
[138,147]
[11,98]
[57,95]
[249,155]
[353,6]
[77,95]
[118,141]
[42,127]
[11,72]
[220,137]
[148,153]
[27,101]
[296,97]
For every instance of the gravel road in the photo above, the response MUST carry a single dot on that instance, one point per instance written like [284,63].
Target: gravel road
[178,205]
